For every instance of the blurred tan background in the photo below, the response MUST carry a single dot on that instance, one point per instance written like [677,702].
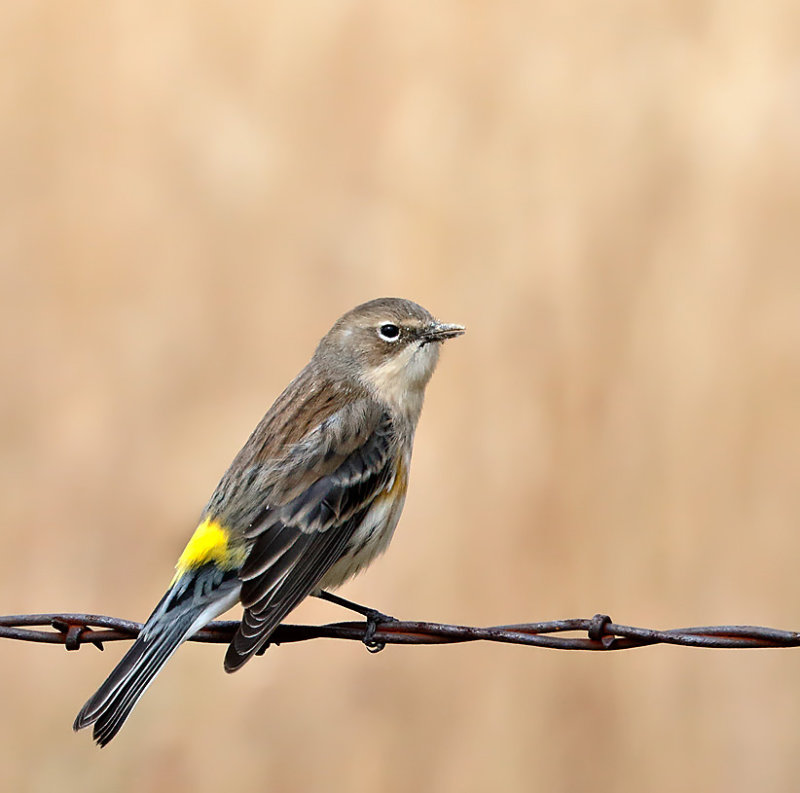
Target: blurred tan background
[607,195]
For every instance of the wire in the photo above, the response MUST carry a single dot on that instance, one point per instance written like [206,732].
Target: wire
[75,630]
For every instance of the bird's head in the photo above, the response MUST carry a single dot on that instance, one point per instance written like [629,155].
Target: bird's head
[390,346]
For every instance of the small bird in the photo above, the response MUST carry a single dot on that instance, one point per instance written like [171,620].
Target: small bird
[312,498]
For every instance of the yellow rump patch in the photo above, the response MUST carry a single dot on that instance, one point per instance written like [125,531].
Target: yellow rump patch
[209,543]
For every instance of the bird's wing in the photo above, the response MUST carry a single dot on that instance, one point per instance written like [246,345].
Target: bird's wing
[293,544]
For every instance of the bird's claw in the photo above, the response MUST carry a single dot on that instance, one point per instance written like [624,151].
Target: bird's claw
[374,619]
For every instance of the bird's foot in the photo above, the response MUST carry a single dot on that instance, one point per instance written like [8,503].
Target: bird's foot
[374,619]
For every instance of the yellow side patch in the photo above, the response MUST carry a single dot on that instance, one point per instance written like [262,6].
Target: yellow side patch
[210,543]
[397,490]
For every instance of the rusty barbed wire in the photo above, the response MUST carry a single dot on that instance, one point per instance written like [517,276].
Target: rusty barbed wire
[75,630]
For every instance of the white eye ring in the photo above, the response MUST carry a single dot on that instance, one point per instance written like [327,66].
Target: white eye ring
[389,332]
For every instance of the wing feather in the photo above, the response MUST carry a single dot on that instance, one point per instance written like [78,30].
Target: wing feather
[294,544]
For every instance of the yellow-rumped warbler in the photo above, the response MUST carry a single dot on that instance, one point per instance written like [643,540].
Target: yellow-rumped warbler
[312,498]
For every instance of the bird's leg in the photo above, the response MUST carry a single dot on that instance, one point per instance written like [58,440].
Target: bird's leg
[373,616]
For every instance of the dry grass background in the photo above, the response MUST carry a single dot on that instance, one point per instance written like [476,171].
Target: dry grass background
[608,195]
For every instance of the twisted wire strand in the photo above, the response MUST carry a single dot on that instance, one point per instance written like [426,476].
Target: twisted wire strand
[601,633]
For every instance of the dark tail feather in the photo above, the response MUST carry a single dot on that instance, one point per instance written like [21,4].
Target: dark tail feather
[195,599]
[113,702]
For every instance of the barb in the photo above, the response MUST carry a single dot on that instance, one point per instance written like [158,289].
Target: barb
[75,630]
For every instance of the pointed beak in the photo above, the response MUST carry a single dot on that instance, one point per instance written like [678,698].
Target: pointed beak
[440,331]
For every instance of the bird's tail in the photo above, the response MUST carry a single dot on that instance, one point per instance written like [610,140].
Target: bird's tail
[192,601]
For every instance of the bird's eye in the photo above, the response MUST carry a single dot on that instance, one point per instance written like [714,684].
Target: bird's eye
[389,332]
